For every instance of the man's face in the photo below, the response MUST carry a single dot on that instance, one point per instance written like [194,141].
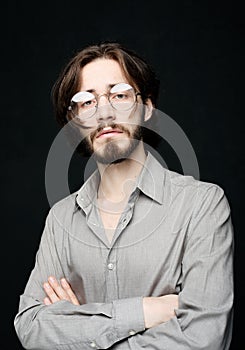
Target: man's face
[111,135]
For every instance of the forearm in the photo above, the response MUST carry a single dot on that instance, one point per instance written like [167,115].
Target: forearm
[63,325]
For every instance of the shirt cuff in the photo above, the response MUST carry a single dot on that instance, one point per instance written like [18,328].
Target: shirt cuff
[129,316]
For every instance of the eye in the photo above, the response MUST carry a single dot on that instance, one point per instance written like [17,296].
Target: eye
[84,99]
[121,92]
[120,96]
[87,103]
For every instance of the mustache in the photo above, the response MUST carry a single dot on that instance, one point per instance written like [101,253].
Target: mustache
[111,125]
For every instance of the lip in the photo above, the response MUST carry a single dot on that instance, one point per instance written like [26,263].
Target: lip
[108,132]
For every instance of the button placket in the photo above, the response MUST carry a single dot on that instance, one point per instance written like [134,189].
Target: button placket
[111,276]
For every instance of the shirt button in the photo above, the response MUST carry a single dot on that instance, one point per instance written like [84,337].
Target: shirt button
[110,266]
[93,345]
[132,332]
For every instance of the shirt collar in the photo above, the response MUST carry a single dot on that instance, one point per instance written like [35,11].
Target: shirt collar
[151,179]
[151,182]
[88,192]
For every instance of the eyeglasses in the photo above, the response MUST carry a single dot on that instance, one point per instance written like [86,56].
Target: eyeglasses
[84,104]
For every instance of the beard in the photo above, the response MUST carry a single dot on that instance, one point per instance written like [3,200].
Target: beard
[113,152]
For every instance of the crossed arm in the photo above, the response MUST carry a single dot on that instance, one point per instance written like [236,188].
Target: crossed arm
[156,310]
[200,317]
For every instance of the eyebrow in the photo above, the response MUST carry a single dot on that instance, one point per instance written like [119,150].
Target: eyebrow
[109,86]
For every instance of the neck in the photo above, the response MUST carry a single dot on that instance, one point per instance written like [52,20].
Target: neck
[118,180]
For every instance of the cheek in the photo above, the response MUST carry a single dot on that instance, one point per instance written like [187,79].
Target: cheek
[133,127]
[88,124]
[87,138]
[136,118]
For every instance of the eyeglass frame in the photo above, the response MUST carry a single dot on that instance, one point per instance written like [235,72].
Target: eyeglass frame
[97,97]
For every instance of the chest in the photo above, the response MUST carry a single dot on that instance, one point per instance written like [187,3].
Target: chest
[144,259]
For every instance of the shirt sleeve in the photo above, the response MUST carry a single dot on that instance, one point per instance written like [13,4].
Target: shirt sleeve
[204,317]
[63,325]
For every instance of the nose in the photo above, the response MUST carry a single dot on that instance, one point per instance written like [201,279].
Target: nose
[105,112]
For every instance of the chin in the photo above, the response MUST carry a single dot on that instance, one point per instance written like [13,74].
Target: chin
[115,152]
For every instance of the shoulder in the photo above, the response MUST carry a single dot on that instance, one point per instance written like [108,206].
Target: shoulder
[64,207]
[187,182]
[181,190]
[198,194]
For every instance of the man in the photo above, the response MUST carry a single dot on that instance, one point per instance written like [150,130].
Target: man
[140,257]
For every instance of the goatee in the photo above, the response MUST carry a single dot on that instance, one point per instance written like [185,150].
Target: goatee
[112,152]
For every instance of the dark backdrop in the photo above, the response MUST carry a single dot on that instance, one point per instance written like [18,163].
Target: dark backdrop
[196,48]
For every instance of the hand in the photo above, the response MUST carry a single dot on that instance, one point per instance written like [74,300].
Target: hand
[159,309]
[58,291]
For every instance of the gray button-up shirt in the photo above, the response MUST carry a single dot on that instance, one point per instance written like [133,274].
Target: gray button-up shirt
[174,236]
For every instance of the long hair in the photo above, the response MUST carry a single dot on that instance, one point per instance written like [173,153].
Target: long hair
[138,73]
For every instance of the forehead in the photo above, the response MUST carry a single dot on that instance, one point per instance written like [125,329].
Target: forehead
[100,73]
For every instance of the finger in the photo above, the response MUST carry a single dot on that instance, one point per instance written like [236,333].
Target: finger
[47,301]
[177,302]
[60,292]
[50,292]
[69,291]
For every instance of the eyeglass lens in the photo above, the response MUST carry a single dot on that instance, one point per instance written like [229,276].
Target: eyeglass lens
[121,97]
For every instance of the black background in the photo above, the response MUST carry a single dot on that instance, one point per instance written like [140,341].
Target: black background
[197,50]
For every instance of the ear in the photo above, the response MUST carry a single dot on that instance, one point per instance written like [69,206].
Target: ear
[148,109]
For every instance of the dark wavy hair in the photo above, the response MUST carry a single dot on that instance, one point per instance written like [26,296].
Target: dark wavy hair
[138,73]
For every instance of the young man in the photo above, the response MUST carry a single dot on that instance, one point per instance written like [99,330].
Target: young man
[140,257]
